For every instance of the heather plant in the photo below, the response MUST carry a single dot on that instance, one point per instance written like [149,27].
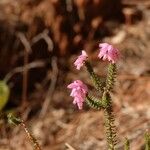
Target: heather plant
[81,93]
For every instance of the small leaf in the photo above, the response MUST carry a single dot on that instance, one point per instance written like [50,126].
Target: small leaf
[4,94]
[13,120]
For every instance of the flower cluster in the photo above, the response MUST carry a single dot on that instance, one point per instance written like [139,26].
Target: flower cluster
[81,60]
[108,52]
[79,89]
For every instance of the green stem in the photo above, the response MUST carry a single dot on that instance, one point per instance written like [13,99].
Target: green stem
[94,77]
[109,122]
[94,102]
[111,75]
[108,111]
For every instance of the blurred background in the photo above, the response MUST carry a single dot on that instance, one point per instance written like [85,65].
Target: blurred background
[39,41]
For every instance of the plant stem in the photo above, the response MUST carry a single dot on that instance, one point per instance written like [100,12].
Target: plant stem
[111,75]
[109,121]
[109,124]
[108,110]
[31,137]
[94,77]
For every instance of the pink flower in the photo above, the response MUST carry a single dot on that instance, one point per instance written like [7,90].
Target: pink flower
[108,52]
[81,60]
[79,91]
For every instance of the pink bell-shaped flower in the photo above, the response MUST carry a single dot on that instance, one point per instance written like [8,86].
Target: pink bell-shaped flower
[79,91]
[80,60]
[108,52]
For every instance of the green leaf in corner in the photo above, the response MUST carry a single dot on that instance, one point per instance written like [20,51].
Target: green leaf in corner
[4,94]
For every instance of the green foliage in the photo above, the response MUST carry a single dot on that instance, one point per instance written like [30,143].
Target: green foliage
[127,144]
[111,75]
[13,120]
[4,94]
[106,102]
[94,77]
[147,141]
[93,102]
